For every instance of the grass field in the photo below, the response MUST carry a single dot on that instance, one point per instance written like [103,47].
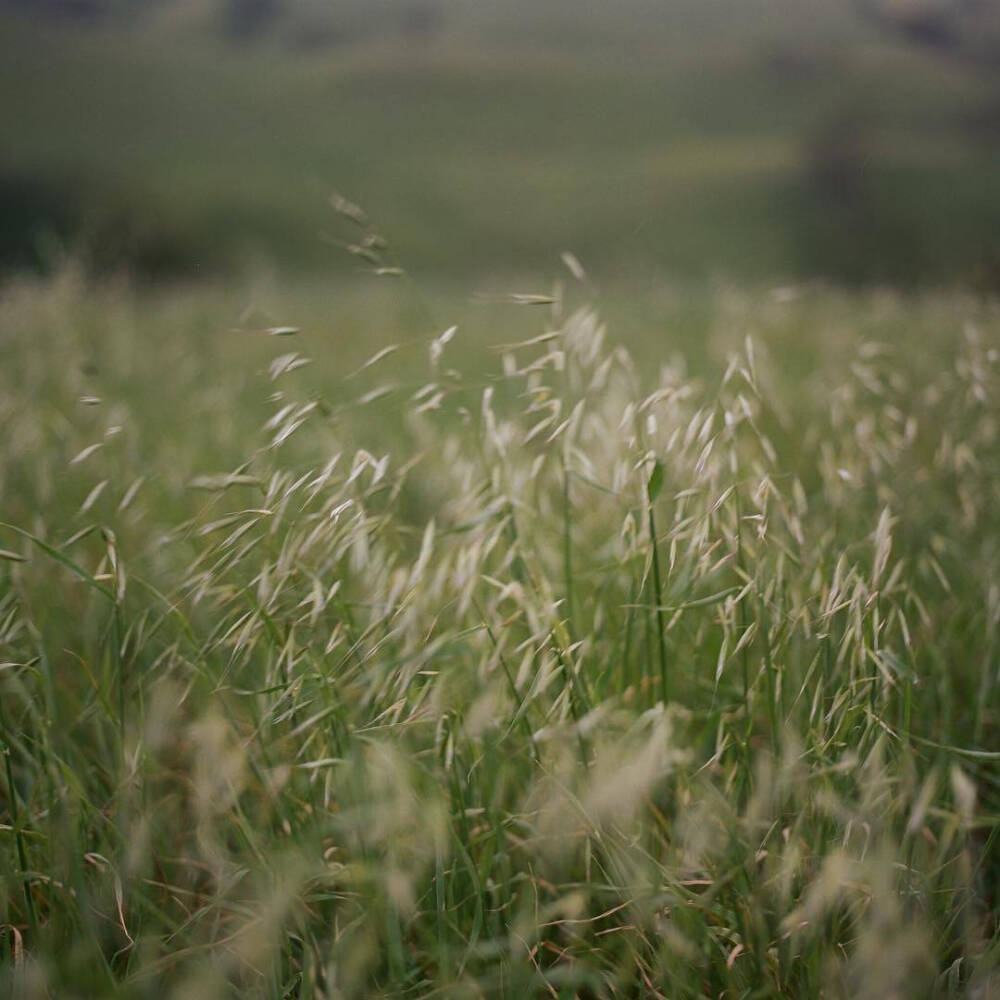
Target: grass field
[753,140]
[564,668]
[452,618]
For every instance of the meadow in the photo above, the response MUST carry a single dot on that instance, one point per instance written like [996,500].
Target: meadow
[423,609]
[501,659]
[761,141]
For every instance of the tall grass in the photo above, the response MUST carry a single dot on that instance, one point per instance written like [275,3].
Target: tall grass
[568,676]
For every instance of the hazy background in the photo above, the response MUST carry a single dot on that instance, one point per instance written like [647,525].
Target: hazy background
[758,140]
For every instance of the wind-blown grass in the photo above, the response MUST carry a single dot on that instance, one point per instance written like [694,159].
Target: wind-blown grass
[573,678]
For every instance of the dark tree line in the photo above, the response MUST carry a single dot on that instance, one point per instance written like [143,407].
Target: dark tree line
[245,19]
[963,29]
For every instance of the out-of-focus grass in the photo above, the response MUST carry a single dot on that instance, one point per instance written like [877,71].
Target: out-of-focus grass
[555,669]
[747,144]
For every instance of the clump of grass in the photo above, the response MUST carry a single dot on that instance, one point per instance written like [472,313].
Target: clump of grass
[566,676]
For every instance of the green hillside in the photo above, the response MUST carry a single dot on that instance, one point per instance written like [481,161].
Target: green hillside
[762,140]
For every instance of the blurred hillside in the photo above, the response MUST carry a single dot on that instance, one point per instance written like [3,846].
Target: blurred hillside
[762,139]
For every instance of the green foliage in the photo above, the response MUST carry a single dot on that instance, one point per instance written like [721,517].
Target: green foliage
[345,678]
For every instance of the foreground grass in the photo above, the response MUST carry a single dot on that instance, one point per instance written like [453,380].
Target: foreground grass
[572,675]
